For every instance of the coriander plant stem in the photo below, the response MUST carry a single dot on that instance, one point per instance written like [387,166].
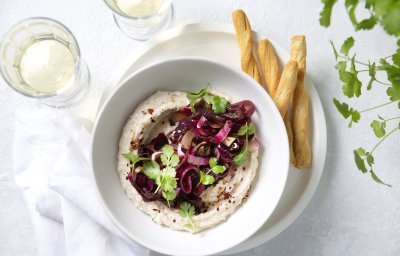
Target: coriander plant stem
[384,138]
[356,61]
[376,80]
[393,118]
[369,109]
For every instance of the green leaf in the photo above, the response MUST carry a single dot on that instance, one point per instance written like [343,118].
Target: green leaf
[206,179]
[174,160]
[370,160]
[169,171]
[169,195]
[240,158]
[169,184]
[391,20]
[168,150]
[347,45]
[376,179]
[134,158]
[361,152]
[394,92]
[347,112]
[186,210]
[246,129]
[366,24]
[335,52]
[212,162]
[396,58]
[151,169]
[218,169]
[379,128]
[341,66]
[392,72]
[325,15]
[346,77]
[398,105]
[219,104]
[359,162]
[194,96]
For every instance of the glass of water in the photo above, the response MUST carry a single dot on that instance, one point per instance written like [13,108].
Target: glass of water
[40,58]
[141,19]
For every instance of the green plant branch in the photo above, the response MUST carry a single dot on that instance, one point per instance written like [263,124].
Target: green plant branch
[384,138]
[390,119]
[379,106]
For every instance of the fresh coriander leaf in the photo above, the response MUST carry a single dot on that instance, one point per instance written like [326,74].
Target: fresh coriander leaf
[218,169]
[134,158]
[396,58]
[398,105]
[341,66]
[359,162]
[370,160]
[246,129]
[367,24]
[168,150]
[345,76]
[326,13]
[336,53]
[169,171]
[391,20]
[186,210]
[369,3]
[240,158]
[392,72]
[194,96]
[376,179]
[243,130]
[251,129]
[394,92]
[347,112]
[212,162]
[379,128]
[174,160]
[219,104]
[152,170]
[361,152]
[169,195]
[208,98]
[206,179]
[343,108]
[347,45]
[351,84]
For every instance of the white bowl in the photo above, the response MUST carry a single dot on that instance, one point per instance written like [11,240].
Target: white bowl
[190,74]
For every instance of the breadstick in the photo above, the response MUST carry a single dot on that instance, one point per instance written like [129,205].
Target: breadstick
[245,40]
[286,87]
[300,113]
[269,65]
[289,131]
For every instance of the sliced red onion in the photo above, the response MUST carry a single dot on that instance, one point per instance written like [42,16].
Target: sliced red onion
[203,131]
[201,122]
[155,155]
[223,133]
[198,160]
[179,150]
[254,145]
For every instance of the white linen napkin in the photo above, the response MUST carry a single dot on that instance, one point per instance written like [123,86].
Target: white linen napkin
[50,157]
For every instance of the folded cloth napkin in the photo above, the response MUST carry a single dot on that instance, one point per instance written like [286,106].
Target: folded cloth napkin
[50,159]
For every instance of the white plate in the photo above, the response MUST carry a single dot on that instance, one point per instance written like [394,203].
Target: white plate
[273,156]
[218,42]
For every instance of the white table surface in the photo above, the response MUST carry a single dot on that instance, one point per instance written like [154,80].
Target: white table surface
[349,214]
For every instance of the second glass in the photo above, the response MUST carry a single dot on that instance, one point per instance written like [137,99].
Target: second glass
[141,19]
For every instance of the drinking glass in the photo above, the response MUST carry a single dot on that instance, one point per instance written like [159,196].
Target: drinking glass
[40,58]
[141,19]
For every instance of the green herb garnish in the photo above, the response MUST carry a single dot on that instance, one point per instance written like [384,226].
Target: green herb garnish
[246,130]
[205,178]
[215,168]
[217,103]
[134,158]
[164,178]
[188,211]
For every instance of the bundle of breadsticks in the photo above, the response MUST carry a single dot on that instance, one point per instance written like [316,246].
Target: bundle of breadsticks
[286,89]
